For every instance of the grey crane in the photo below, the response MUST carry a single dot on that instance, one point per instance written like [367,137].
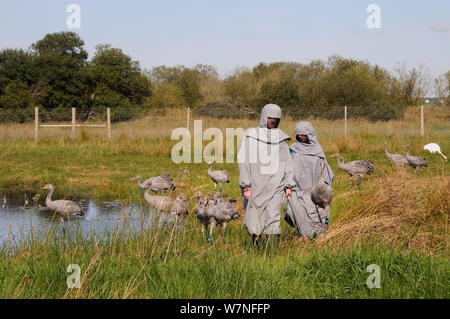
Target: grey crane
[218,177]
[205,215]
[322,193]
[225,212]
[397,159]
[145,184]
[160,203]
[214,210]
[415,161]
[66,208]
[156,184]
[180,205]
[356,168]
[166,204]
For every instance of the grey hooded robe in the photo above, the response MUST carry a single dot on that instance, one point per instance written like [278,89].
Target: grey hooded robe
[309,220]
[267,182]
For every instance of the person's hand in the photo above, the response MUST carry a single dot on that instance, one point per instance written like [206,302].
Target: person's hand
[247,193]
[288,192]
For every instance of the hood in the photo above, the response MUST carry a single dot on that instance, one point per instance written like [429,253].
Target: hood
[270,110]
[262,133]
[313,148]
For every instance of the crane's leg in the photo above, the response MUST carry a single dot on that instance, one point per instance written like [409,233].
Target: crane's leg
[220,187]
[350,183]
[358,179]
[203,230]
[223,229]
[215,187]
[212,225]
[417,171]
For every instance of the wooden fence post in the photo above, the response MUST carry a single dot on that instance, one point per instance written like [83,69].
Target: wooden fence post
[421,121]
[108,122]
[36,123]
[187,121]
[345,120]
[73,123]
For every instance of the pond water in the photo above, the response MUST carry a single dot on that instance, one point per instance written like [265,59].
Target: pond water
[20,223]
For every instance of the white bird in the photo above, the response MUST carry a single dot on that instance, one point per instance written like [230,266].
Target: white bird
[433,148]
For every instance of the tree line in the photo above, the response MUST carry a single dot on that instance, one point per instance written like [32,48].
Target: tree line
[55,74]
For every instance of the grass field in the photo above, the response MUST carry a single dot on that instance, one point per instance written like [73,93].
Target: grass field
[397,220]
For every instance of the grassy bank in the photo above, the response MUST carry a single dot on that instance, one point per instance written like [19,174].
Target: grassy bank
[397,220]
[178,263]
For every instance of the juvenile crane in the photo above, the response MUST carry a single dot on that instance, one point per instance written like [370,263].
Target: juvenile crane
[214,210]
[322,193]
[166,204]
[415,161]
[218,177]
[66,208]
[397,159]
[156,184]
[356,168]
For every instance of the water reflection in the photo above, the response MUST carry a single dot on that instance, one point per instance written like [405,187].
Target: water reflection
[21,223]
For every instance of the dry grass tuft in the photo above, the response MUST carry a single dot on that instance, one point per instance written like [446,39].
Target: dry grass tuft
[400,211]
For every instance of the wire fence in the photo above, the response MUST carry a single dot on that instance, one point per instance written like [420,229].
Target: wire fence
[105,117]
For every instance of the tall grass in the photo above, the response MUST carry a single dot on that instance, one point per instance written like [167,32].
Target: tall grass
[160,264]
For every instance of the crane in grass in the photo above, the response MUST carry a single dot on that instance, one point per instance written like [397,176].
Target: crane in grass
[218,177]
[156,184]
[356,168]
[397,159]
[415,161]
[213,210]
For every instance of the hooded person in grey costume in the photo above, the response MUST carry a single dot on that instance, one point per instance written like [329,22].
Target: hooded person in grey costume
[265,179]
[307,155]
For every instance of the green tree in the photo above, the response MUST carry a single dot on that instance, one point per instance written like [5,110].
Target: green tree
[188,80]
[16,65]
[61,62]
[117,82]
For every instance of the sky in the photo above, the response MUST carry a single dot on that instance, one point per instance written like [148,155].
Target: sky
[230,34]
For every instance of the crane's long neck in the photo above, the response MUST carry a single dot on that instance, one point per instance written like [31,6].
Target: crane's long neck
[340,161]
[147,195]
[407,150]
[48,200]
[139,181]
[386,150]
